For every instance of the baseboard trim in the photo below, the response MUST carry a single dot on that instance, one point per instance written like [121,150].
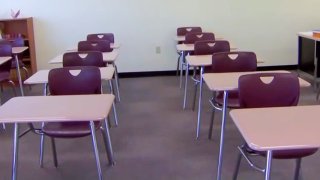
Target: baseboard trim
[173,73]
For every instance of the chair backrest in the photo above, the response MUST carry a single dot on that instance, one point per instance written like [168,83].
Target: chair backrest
[232,62]
[74,80]
[102,46]
[83,58]
[210,47]
[6,50]
[18,42]
[268,90]
[101,36]
[182,31]
[191,38]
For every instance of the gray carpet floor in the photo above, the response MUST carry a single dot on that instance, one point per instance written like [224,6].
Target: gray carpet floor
[155,140]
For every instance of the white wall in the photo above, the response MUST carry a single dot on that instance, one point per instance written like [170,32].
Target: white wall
[266,27]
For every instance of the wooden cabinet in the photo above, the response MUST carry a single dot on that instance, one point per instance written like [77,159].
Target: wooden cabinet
[308,56]
[23,27]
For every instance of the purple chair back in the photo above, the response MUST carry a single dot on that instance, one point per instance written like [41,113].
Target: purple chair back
[232,62]
[279,89]
[210,47]
[18,42]
[83,80]
[101,36]
[83,58]
[182,31]
[5,50]
[102,46]
[191,38]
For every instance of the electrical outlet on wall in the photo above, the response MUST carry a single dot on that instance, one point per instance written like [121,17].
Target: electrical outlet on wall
[158,50]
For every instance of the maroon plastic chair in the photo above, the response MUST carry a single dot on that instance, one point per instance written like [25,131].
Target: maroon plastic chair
[278,90]
[101,45]
[192,38]
[5,68]
[19,42]
[210,46]
[83,58]
[88,58]
[62,82]
[229,62]
[182,31]
[101,36]
[207,48]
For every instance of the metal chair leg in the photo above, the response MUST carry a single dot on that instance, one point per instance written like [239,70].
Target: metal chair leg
[178,63]
[26,74]
[54,152]
[211,124]
[13,87]
[297,169]
[115,115]
[107,142]
[95,149]
[236,171]
[116,77]
[195,89]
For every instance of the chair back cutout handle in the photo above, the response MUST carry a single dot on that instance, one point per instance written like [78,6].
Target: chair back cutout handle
[199,36]
[75,72]
[267,80]
[83,55]
[211,44]
[233,56]
[100,36]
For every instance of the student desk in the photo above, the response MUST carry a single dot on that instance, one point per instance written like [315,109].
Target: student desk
[4,59]
[197,61]
[108,57]
[53,109]
[41,77]
[226,82]
[183,49]
[16,51]
[183,38]
[112,46]
[308,56]
[300,123]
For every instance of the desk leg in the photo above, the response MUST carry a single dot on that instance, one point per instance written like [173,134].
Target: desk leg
[19,74]
[185,88]
[181,67]
[268,167]
[107,142]
[315,83]
[116,77]
[15,151]
[95,148]
[200,100]
[223,123]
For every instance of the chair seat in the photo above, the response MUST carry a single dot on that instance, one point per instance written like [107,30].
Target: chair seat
[233,99]
[285,154]
[68,129]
